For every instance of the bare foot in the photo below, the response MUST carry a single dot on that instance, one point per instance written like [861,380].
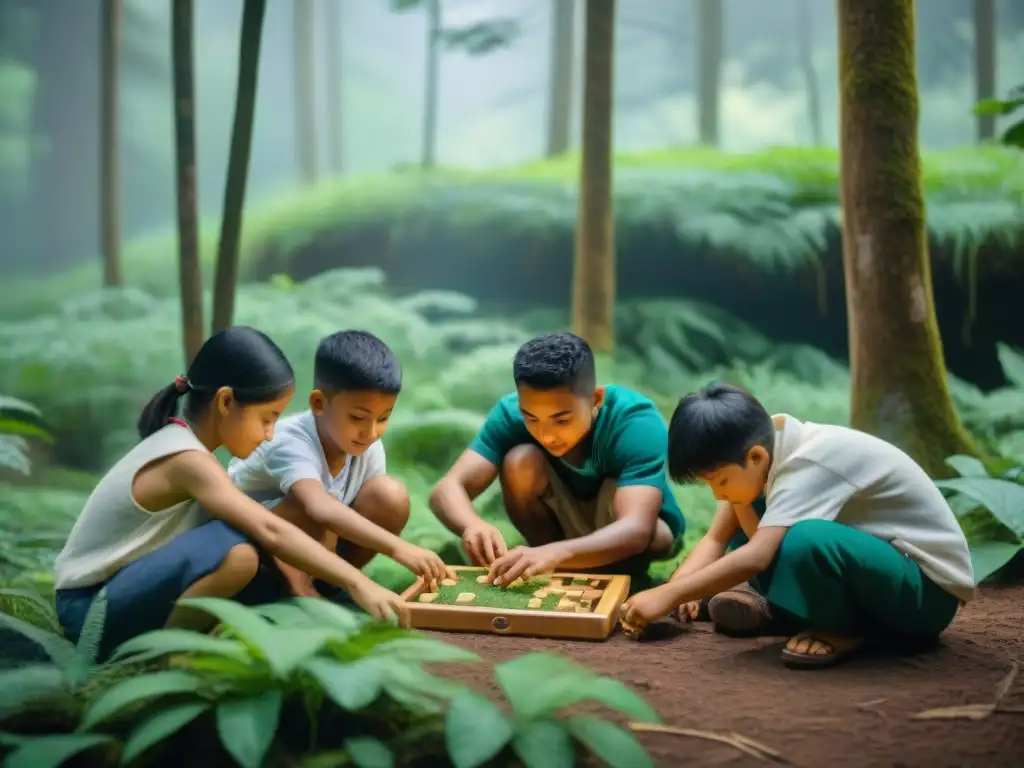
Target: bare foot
[813,649]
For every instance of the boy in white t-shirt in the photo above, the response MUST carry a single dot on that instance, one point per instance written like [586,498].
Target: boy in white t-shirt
[325,471]
[855,542]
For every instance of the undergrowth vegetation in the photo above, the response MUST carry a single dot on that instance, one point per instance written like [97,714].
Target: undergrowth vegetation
[773,209]
[90,367]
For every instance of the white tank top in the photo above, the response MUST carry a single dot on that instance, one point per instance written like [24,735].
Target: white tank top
[113,530]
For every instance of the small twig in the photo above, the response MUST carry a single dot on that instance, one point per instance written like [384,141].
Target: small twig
[735,740]
[978,711]
[1006,684]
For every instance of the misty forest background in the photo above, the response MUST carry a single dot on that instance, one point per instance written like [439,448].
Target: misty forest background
[413,171]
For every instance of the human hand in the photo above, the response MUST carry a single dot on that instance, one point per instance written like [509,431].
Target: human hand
[380,603]
[526,562]
[687,612]
[422,562]
[645,607]
[483,543]
[303,587]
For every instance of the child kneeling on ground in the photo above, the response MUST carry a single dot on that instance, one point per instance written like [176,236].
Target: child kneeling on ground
[325,469]
[856,543]
[146,535]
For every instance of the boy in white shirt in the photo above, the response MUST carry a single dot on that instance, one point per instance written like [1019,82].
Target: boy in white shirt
[855,543]
[325,470]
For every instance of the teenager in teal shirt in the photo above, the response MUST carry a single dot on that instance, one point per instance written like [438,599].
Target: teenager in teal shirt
[581,467]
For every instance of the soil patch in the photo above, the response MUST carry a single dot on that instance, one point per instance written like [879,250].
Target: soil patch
[858,714]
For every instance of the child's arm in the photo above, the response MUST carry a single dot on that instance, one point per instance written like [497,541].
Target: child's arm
[452,502]
[203,478]
[712,544]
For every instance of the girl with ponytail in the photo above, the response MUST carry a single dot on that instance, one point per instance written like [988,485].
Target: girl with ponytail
[166,522]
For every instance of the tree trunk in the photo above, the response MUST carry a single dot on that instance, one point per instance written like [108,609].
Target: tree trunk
[899,387]
[985,63]
[563,38]
[305,89]
[805,53]
[110,172]
[191,277]
[710,49]
[238,164]
[335,89]
[430,84]
[593,299]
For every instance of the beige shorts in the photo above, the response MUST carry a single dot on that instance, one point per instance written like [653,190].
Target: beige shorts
[579,517]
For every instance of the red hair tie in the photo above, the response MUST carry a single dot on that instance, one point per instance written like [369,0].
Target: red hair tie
[181,384]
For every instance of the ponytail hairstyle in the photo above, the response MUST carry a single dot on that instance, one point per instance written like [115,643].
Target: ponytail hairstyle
[239,357]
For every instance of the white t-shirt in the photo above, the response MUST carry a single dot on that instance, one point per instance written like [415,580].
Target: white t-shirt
[296,453]
[823,472]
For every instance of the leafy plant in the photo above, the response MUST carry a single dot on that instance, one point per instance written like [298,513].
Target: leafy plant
[310,679]
[995,488]
[1014,101]
[19,420]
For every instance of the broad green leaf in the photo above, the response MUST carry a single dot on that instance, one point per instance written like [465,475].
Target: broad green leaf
[52,751]
[475,730]
[424,650]
[989,556]
[56,647]
[609,742]
[539,684]
[368,752]
[344,620]
[248,625]
[400,6]
[159,726]
[88,647]
[995,107]
[42,607]
[418,690]
[23,687]
[1004,499]
[247,726]
[351,685]
[544,743]
[967,466]
[162,642]
[136,690]
[1014,135]
[283,614]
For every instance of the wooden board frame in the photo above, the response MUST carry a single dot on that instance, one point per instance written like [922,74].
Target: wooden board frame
[593,625]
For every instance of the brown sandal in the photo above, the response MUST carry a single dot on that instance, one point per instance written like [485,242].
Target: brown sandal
[834,656]
[739,612]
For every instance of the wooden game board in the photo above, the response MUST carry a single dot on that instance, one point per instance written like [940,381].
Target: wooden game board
[561,611]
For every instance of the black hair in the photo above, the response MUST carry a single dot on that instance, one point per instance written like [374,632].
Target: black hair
[239,357]
[713,427]
[554,361]
[356,360]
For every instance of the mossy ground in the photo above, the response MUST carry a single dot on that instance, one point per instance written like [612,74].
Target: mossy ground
[490,596]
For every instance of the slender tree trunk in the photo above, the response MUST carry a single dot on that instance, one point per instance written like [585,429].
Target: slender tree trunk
[985,43]
[805,37]
[191,277]
[305,89]
[710,50]
[563,37]
[110,173]
[430,84]
[593,299]
[899,387]
[238,164]
[335,80]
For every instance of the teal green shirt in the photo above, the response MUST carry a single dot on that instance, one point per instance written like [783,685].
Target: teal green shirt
[628,442]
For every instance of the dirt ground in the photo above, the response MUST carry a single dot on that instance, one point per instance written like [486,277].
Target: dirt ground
[858,714]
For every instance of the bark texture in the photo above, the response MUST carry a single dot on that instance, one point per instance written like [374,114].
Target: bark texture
[985,63]
[899,387]
[593,300]
[110,144]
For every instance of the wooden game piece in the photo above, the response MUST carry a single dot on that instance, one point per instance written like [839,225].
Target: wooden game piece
[592,594]
[465,597]
[595,584]
[516,584]
[450,582]
[541,593]
[483,579]
[574,593]
[584,606]
[565,605]
[535,602]
[428,597]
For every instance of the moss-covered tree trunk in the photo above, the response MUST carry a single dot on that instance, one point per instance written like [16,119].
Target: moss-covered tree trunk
[593,299]
[900,391]
[182,53]
[710,49]
[110,166]
[238,164]
[304,26]
[985,63]
[563,38]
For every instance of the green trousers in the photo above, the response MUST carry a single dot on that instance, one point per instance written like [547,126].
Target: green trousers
[831,577]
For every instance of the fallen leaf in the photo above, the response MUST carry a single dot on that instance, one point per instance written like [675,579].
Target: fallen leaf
[736,741]
[1006,684]
[963,712]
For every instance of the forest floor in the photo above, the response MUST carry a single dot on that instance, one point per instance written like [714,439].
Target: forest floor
[858,714]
